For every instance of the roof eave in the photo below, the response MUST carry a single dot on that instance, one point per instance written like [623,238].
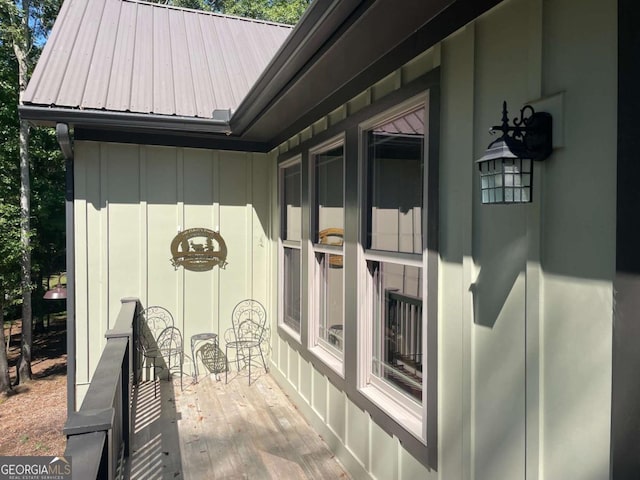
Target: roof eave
[273,112]
[313,30]
[108,119]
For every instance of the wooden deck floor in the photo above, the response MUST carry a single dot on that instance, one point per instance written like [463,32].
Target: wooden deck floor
[216,431]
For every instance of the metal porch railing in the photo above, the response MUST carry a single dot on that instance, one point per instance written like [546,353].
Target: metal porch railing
[404,341]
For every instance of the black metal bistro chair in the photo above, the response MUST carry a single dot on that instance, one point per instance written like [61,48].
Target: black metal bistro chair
[249,322]
[152,321]
[171,350]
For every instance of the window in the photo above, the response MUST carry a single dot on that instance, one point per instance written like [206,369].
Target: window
[397,329]
[327,285]
[383,199]
[393,319]
[395,152]
[290,239]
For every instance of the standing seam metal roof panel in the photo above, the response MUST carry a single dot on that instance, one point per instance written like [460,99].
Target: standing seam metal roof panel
[411,123]
[58,60]
[142,80]
[132,56]
[228,42]
[202,93]
[252,64]
[163,93]
[75,75]
[219,78]
[104,50]
[120,79]
[185,103]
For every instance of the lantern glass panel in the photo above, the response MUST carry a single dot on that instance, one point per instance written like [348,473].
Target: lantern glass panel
[508,195]
[506,180]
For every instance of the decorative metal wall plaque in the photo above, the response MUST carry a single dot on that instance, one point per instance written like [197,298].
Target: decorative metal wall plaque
[198,250]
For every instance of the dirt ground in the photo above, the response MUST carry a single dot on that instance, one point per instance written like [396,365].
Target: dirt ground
[32,416]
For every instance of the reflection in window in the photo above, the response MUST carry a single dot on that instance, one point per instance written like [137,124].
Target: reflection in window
[397,343]
[395,176]
[292,288]
[330,296]
[292,221]
[328,234]
[291,233]
[395,194]
[329,191]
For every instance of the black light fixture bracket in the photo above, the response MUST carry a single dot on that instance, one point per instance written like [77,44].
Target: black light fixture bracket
[532,132]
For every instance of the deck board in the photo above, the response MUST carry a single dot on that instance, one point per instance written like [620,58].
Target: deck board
[225,431]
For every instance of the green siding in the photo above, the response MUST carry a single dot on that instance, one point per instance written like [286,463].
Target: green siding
[525,292]
[131,201]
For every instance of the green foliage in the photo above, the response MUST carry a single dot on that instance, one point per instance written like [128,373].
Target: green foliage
[47,164]
[9,174]
[282,11]
[42,15]
[47,203]
[194,4]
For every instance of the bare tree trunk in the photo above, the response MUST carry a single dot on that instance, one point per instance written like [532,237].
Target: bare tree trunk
[9,337]
[21,49]
[24,366]
[5,380]
[36,306]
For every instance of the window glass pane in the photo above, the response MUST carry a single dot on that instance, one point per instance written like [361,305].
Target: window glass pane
[397,343]
[292,288]
[329,195]
[395,172]
[331,303]
[292,215]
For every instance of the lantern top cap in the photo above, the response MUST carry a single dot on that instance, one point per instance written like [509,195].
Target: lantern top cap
[503,148]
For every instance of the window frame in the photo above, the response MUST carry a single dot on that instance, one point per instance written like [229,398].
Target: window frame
[425,451]
[396,404]
[288,244]
[330,356]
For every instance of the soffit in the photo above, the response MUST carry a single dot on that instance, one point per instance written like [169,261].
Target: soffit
[376,38]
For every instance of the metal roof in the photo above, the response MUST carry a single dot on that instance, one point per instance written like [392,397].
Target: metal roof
[131,56]
[331,56]
[409,124]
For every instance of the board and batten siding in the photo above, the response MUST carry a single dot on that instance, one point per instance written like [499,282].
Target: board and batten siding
[130,202]
[525,291]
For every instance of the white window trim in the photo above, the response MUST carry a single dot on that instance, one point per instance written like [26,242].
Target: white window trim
[397,410]
[331,357]
[282,244]
[281,323]
[406,411]
[399,258]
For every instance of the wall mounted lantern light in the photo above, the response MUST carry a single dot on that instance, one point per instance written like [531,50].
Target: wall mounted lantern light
[506,169]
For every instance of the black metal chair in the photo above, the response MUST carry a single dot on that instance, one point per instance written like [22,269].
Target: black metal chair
[171,350]
[249,324]
[152,321]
